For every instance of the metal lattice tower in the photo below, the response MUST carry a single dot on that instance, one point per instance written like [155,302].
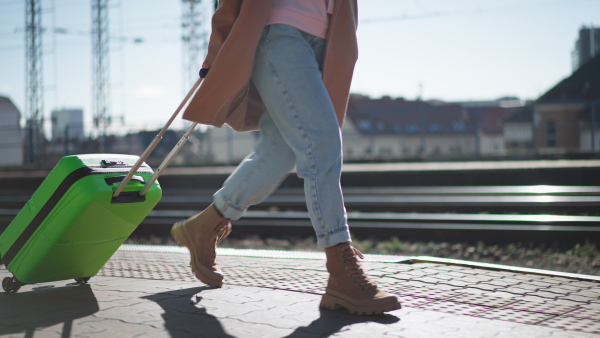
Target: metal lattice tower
[100,68]
[194,41]
[193,37]
[34,85]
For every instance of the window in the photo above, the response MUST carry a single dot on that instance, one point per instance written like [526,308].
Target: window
[412,128]
[364,125]
[434,127]
[458,126]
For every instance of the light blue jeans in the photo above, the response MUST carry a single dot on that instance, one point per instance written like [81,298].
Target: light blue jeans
[299,128]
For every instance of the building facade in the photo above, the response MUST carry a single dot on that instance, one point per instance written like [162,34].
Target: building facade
[587,46]
[565,119]
[397,129]
[67,124]
[11,134]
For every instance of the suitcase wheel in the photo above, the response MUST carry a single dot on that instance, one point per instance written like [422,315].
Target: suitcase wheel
[11,284]
[82,280]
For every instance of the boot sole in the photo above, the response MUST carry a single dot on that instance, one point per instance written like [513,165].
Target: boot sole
[181,239]
[333,303]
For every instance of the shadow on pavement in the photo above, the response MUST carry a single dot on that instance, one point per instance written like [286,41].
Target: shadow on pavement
[182,317]
[24,312]
[331,322]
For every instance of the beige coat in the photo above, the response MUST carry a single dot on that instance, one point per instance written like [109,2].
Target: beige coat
[227,94]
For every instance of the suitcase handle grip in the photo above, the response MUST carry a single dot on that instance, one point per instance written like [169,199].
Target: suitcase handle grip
[115,179]
[153,145]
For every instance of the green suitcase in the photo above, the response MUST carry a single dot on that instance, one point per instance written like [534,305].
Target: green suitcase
[82,213]
[72,224]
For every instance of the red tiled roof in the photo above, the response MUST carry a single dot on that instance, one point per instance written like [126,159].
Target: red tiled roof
[388,116]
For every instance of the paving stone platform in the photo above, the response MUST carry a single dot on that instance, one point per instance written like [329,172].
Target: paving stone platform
[146,291]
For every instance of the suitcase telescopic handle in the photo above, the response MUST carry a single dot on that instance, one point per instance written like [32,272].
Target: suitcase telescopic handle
[155,142]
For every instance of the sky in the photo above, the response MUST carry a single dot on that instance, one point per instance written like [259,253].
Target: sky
[451,50]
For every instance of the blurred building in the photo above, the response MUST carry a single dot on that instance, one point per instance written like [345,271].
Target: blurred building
[565,114]
[225,145]
[11,134]
[489,116]
[518,131]
[565,119]
[587,46]
[390,129]
[67,124]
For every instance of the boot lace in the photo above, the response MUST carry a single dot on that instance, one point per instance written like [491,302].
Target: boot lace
[217,235]
[352,266]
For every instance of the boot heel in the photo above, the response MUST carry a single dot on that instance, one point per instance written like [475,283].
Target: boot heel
[329,302]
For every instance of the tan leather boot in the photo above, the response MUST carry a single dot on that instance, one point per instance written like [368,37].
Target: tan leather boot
[201,234]
[349,287]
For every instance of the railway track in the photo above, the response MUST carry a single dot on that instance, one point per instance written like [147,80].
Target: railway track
[390,220]
[540,213]
[478,212]
[560,200]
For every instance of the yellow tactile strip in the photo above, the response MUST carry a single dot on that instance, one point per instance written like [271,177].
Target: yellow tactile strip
[556,302]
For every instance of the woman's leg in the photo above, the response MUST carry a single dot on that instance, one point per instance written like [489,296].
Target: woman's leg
[258,175]
[254,179]
[288,77]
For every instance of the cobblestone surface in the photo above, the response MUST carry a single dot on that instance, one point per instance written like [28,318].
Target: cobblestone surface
[156,295]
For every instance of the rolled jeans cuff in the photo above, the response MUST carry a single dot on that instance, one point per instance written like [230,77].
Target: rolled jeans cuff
[226,208]
[337,237]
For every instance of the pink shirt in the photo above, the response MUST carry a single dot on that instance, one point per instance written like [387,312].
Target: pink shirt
[310,16]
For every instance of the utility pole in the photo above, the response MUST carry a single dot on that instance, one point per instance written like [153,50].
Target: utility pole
[34,84]
[100,70]
[194,41]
